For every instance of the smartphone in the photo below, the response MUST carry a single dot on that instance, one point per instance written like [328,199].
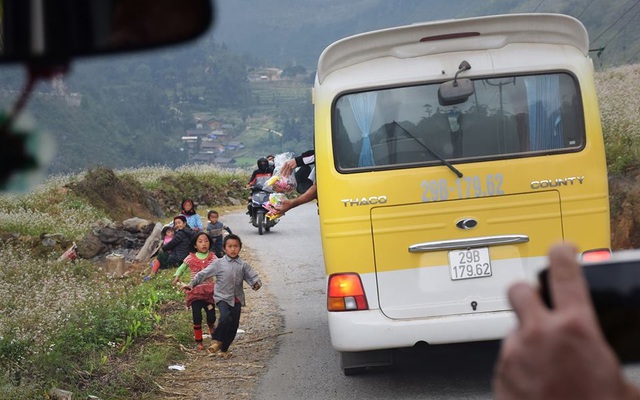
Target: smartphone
[615,291]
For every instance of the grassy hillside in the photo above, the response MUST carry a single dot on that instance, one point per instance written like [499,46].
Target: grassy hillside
[619,101]
[92,335]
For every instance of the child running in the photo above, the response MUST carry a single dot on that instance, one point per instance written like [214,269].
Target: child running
[200,298]
[228,293]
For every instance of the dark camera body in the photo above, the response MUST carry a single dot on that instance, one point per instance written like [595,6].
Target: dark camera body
[614,286]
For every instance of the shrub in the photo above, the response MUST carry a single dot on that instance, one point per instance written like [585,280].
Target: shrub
[619,102]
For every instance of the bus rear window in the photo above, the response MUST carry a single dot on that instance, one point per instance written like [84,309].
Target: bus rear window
[506,117]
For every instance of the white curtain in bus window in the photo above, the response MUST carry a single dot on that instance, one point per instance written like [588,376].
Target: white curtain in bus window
[363,106]
[545,119]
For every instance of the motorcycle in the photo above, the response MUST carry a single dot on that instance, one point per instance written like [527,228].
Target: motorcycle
[257,212]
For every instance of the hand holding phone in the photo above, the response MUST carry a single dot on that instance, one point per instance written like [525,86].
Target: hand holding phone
[560,353]
[614,286]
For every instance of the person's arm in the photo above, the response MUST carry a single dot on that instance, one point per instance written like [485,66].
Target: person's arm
[251,276]
[226,228]
[179,272]
[559,353]
[252,180]
[203,275]
[306,158]
[288,204]
[197,222]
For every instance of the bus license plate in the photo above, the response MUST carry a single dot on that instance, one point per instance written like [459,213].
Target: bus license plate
[471,263]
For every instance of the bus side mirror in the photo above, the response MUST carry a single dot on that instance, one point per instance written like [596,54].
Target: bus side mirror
[458,90]
[455,92]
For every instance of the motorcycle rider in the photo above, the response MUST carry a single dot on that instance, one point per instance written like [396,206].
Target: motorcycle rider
[263,171]
[272,162]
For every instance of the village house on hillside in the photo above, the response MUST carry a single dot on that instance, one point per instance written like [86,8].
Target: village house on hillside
[234,146]
[225,162]
[206,121]
[213,123]
[198,132]
[209,141]
[211,146]
[265,74]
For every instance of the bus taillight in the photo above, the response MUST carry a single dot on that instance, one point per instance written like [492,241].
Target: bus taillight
[346,293]
[596,255]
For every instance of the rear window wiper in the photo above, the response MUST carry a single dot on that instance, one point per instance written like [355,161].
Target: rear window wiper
[438,156]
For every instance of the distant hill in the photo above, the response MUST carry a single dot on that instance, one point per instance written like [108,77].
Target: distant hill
[290,32]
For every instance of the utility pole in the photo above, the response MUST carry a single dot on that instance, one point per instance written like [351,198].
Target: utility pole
[270,131]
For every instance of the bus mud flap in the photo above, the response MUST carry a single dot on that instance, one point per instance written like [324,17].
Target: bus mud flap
[353,363]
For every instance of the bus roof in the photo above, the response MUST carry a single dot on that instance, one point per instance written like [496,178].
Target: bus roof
[479,33]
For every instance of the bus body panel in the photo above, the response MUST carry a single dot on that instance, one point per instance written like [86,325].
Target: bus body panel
[371,330]
[370,216]
[423,287]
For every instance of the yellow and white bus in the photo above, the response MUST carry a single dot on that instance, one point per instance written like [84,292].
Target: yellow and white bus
[450,156]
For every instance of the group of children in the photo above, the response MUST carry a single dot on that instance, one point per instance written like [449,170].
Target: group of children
[210,254]
[176,237]
[227,292]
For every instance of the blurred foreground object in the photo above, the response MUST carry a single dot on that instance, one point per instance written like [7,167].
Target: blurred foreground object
[47,31]
[46,35]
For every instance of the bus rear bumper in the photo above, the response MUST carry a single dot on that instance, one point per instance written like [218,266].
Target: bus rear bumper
[371,330]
